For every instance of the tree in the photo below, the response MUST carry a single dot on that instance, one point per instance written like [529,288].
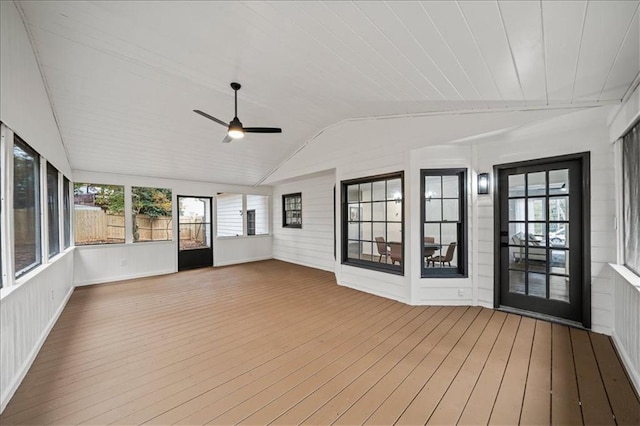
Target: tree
[152,202]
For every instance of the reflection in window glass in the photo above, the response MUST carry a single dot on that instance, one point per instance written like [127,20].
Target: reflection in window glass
[152,214]
[229,215]
[444,226]
[52,210]
[26,207]
[258,221]
[373,218]
[98,214]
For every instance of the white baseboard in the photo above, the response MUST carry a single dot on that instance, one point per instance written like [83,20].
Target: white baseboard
[124,277]
[634,374]
[239,261]
[307,264]
[26,365]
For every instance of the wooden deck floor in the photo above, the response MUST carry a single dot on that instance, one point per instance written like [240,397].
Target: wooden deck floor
[271,342]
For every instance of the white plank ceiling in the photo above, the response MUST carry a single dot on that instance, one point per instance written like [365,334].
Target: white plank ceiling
[124,77]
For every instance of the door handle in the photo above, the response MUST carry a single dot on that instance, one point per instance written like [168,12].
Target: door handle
[504,244]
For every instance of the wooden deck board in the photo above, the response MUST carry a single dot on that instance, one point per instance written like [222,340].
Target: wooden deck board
[272,342]
[508,405]
[536,407]
[565,401]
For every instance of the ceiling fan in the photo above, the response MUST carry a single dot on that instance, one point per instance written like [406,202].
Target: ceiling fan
[235,128]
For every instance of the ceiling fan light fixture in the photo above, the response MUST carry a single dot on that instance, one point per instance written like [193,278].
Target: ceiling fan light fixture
[235,129]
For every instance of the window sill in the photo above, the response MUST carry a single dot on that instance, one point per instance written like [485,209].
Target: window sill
[627,274]
[374,267]
[240,237]
[6,291]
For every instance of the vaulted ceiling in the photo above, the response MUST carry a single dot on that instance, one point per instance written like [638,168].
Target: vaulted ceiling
[124,77]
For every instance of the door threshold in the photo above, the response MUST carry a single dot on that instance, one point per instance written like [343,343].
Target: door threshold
[540,316]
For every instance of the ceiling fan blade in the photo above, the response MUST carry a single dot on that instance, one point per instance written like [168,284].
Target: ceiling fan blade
[210,117]
[227,139]
[262,130]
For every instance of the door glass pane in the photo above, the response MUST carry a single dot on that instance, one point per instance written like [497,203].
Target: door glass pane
[536,234]
[559,263]
[559,181]
[537,284]
[516,282]
[516,209]
[558,234]
[537,208]
[559,208]
[536,184]
[516,234]
[516,185]
[559,288]
[432,187]
[450,186]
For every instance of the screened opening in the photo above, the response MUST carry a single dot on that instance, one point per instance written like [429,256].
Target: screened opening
[229,215]
[257,214]
[98,214]
[631,198]
[152,214]
[53,215]
[26,205]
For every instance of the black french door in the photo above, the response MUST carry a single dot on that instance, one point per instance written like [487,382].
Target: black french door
[543,237]
[195,249]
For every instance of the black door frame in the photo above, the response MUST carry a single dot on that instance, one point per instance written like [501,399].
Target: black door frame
[210,249]
[585,161]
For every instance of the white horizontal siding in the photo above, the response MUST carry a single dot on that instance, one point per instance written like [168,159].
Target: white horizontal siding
[311,245]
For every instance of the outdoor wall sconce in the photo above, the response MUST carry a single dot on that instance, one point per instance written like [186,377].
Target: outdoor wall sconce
[483,183]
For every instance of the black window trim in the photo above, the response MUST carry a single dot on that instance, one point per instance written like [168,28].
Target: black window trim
[284,210]
[344,240]
[463,243]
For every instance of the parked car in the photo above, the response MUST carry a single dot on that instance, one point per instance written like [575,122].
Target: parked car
[558,238]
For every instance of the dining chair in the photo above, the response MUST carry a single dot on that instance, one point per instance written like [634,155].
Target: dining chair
[383,249]
[395,253]
[447,258]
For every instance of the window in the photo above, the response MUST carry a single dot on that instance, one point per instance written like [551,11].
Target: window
[229,215]
[26,205]
[258,221]
[372,217]
[66,204]
[292,210]
[98,214]
[631,198]
[251,222]
[53,215]
[444,214]
[152,214]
